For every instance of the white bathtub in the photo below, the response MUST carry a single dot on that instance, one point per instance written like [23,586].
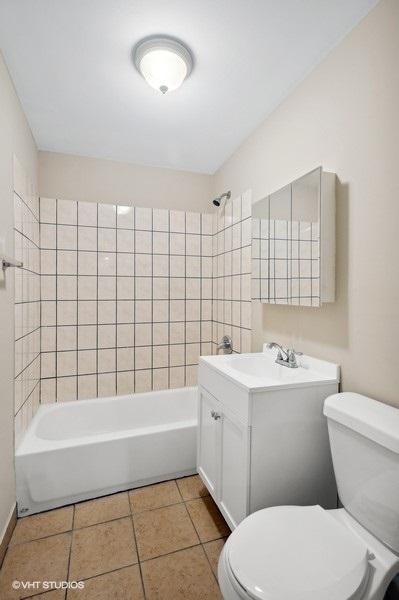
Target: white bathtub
[74,451]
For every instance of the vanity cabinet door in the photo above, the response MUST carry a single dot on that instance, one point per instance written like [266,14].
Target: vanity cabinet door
[234,468]
[209,440]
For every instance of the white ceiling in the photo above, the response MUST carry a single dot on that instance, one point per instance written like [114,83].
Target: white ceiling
[71,64]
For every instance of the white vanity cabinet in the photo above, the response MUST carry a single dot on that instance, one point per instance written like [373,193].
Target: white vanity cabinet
[263,443]
[223,452]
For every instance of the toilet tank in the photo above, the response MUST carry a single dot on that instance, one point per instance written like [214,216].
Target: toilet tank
[364,440]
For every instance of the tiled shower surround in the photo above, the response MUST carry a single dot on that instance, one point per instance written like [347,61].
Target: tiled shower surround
[27,300]
[232,274]
[126,298]
[131,297]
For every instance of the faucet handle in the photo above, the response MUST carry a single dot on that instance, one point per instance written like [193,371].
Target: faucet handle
[292,354]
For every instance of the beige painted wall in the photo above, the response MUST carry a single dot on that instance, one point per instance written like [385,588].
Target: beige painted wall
[15,137]
[344,116]
[91,179]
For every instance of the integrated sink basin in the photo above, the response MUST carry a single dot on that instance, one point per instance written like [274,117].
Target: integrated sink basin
[259,371]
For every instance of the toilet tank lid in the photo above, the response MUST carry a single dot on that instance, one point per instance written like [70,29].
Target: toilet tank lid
[374,420]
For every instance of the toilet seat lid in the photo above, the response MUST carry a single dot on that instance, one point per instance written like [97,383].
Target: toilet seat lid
[300,552]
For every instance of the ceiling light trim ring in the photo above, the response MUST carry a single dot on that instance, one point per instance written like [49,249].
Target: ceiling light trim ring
[160,42]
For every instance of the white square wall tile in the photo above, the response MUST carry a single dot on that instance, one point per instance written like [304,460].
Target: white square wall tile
[125,382]
[125,311]
[160,219]
[87,312]
[48,262]
[143,241]
[106,336]
[193,222]
[48,236]
[143,357]
[143,311]
[125,217]
[87,238]
[48,364]
[176,377]
[143,334]
[177,355]
[48,210]
[143,265]
[67,212]
[106,215]
[106,312]
[47,286]
[87,387]
[160,288]
[106,263]
[160,379]
[66,287]
[191,375]
[193,244]
[106,360]
[106,288]
[207,223]
[47,340]
[87,263]
[66,337]
[47,391]
[66,363]
[87,362]
[106,240]
[125,240]
[125,335]
[177,243]
[160,333]
[125,359]
[125,264]
[106,384]
[176,333]
[160,242]
[87,213]
[160,356]
[143,219]
[160,311]
[67,389]
[142,381]
[177,221]
[160,265]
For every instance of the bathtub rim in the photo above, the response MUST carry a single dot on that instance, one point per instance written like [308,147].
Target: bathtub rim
[31,444]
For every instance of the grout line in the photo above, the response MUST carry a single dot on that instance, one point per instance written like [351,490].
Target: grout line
[70,547]
[137,551]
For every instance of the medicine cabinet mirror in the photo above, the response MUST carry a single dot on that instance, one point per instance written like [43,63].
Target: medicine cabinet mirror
[293,242]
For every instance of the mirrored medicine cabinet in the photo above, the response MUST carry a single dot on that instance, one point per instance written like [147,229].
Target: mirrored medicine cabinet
[293,242]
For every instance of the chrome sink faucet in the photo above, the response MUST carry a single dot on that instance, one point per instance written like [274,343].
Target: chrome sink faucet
[287,358]
[226,345]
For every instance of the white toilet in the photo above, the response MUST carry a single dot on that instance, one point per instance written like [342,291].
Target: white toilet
[308,553]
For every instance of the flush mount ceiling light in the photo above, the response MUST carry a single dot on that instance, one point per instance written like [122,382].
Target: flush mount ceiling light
[163,62]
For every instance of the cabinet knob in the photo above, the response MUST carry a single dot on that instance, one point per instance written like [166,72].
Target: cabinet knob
[215,415]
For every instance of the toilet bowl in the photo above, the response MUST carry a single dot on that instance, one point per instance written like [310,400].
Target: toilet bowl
[308,553]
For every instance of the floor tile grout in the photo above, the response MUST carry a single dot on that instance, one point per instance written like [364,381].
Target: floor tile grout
[129,514]
[70,546]
[138,557]
[72,529]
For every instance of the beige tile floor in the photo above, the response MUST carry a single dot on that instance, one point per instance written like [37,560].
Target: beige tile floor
[160,542]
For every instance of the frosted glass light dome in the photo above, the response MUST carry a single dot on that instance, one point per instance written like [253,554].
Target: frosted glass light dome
[163,62]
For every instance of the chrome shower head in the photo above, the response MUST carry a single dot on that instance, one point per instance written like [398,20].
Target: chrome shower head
[221,199]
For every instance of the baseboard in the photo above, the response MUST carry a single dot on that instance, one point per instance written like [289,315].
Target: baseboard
[9,528]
